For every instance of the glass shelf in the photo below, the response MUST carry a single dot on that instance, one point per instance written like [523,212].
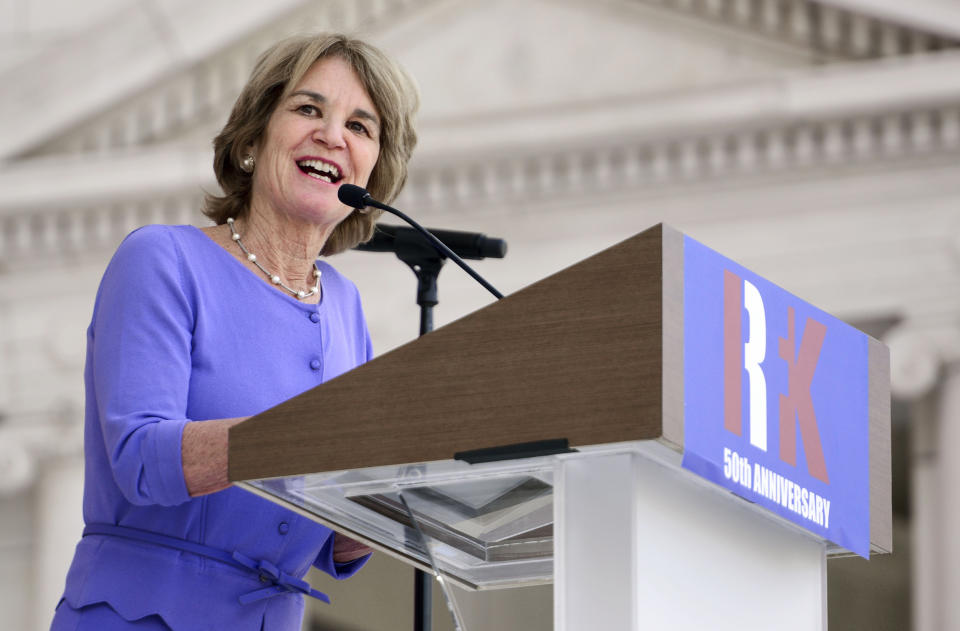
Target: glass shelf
[488,526]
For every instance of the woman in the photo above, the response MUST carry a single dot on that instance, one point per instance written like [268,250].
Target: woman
[194,330]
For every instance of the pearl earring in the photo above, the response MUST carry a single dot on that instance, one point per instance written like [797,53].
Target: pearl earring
[248,163]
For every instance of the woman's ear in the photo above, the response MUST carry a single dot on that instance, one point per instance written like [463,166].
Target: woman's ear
[248,159]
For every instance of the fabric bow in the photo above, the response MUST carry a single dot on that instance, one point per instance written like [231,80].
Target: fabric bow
[279,580]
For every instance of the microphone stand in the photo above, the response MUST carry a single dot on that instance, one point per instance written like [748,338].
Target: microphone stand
[426,263]
[440,247]
[426,260]
[426,266]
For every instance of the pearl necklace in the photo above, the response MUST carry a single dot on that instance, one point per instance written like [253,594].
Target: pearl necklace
[300,295]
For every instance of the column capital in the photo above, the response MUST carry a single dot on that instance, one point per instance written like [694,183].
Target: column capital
[25,449]
[919,352]
[17,465]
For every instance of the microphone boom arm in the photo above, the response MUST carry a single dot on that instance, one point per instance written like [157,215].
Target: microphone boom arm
[359,199]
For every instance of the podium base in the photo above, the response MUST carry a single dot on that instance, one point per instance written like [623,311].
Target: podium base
[641,544]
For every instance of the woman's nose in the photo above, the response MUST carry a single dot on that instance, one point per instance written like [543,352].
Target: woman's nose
[329,133]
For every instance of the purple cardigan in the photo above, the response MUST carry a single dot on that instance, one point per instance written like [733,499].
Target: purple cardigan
[182,330]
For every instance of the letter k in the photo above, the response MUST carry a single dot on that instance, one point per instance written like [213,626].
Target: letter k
[797,405]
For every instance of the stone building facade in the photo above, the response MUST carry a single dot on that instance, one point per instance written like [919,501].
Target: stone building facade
[815,141]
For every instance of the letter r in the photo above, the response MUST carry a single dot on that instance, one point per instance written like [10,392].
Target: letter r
[754,352]
[738,295]
[732,358]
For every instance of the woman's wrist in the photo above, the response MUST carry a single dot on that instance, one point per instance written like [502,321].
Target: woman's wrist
[204,455]
[346,549]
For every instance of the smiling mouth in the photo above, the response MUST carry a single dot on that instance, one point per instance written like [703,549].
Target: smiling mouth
[320,170]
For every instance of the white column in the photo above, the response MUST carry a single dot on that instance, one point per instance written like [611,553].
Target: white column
[949,494]
[59,522]
[925,371]
[925,515]
[641,545]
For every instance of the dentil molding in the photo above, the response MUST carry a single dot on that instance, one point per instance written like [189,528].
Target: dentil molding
[828,30]
[43,223]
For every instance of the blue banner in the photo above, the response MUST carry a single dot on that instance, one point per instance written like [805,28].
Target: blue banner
[775,399]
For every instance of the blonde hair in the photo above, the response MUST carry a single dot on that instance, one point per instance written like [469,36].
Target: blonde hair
[276,74]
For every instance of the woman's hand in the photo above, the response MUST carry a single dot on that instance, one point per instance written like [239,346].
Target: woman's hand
[346,549]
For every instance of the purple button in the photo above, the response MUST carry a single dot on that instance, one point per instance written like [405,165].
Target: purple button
[314,317]
[315,364]
[283,528]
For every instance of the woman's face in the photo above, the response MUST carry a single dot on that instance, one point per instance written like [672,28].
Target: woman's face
[326,133]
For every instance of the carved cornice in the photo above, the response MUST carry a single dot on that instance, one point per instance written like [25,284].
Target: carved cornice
[829,32]
[789,148]
[588,169]
[66,234]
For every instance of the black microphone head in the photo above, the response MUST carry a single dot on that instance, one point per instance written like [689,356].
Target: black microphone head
[493,248]
[353,195]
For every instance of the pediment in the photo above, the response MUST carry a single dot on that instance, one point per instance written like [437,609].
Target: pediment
[474,60]
[481,58]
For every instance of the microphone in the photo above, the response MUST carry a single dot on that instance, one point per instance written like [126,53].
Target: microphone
[467,245]
[354,196]
[359,198]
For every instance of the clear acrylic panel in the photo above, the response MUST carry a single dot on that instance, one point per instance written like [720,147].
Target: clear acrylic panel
[503,519]
[481,526]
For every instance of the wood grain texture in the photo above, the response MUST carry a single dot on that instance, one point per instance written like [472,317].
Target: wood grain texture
[576,355]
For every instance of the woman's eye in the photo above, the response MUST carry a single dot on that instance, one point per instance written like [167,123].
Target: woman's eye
[360,128]
[309,110]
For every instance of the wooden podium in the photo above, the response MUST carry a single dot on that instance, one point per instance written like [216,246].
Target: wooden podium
[616,355]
